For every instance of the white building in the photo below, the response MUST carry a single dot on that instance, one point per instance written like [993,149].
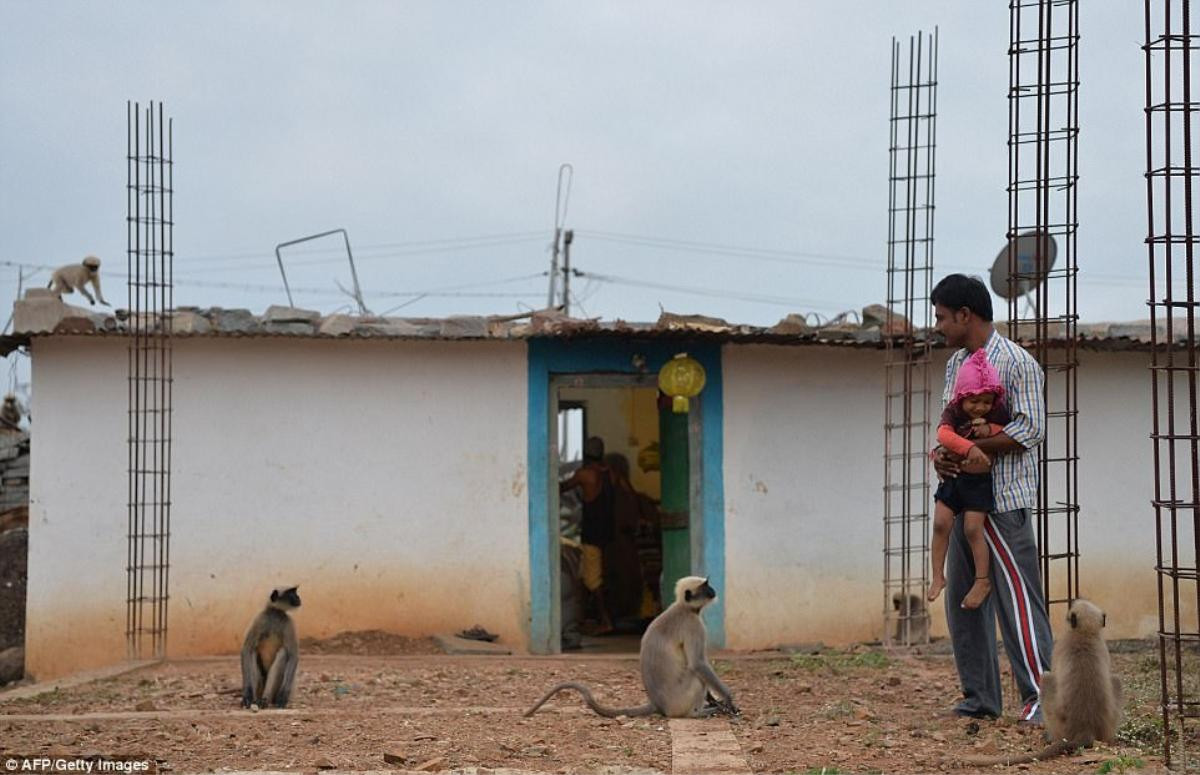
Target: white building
[401,473]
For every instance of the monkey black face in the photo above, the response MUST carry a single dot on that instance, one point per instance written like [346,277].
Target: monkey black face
[285,597]
[914,602]
[91,262]
[703,593]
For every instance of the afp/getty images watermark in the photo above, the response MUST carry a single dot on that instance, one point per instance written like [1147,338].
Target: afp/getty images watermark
[78,765]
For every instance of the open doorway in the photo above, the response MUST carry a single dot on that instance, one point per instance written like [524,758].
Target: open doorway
[691,454]
[610,535]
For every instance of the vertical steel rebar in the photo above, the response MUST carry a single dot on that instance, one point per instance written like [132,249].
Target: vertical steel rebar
[166,325]
[150,261]
[1175,434]
[907,392]
[170,408]
[1042,196]
[133,625]
[130,253]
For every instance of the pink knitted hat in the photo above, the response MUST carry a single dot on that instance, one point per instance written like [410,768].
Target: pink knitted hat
[977,376]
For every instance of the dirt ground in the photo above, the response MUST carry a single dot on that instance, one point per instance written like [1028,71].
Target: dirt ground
[849,711]
[369,643]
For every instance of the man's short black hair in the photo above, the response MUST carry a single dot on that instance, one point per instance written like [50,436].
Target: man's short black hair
[956,291]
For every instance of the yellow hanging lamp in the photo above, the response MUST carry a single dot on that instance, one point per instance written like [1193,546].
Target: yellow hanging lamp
[681,378]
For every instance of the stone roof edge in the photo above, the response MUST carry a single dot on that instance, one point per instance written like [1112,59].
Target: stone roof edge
[43,314]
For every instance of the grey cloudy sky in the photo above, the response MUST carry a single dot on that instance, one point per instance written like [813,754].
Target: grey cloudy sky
[755,125]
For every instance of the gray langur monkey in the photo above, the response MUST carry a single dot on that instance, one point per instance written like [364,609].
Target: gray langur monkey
[675,669]
[74,277]
[1081,699]
[10,412]
[916,617]
[271,652]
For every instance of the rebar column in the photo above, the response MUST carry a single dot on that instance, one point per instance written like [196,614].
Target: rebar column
[1043,116]
[150,259]
[1171,245]
[907,392]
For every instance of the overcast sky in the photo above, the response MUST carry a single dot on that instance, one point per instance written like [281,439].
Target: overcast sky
[421,126]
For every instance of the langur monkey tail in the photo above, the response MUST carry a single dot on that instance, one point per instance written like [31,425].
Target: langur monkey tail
[1057,748]
[641,710]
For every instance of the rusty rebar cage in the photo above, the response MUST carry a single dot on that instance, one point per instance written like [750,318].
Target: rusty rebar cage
[1043,163]
[907,389]
[1171,242]
[150,259]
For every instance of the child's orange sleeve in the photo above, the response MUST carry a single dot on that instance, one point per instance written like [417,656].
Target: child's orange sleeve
[952,441]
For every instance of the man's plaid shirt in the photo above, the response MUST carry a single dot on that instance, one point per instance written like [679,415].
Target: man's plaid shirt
[1014,474]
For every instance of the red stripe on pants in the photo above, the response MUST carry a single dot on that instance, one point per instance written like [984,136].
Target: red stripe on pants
[1018,587]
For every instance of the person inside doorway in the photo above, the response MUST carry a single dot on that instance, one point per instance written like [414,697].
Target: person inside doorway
[622,565]
[594,481]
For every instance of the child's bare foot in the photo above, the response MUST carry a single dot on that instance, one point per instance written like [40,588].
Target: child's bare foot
[935,589]
[979,592]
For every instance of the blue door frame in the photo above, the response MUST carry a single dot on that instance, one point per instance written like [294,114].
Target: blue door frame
[549,358]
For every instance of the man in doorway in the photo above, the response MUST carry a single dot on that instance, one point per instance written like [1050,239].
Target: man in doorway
[963,311]
[596,528]
[622,564]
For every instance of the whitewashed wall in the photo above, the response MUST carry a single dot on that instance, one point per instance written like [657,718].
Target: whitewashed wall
[75,606]
[377,472]
[387,479]
[1116,483]
[803,493]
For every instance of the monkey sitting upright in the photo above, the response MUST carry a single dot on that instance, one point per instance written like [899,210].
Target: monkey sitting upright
[10,413]
[74,277]
[675,668]
[1082,700]
[916,618]
[271,652]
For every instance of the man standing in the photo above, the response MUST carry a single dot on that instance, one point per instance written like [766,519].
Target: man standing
[596,529]
[963,311]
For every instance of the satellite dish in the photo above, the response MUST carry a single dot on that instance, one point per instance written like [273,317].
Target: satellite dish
[1030,272]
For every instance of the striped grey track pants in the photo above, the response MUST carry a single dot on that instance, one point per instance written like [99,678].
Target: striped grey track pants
[1016,599]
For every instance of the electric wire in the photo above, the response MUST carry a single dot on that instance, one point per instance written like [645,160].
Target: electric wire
[403,247]
[783,301]
[373,256]
[710,248]
[808,258]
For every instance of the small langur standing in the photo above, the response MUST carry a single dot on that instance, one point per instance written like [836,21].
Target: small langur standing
[1082,701]
[75,277]
[675,668]
[271,652]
